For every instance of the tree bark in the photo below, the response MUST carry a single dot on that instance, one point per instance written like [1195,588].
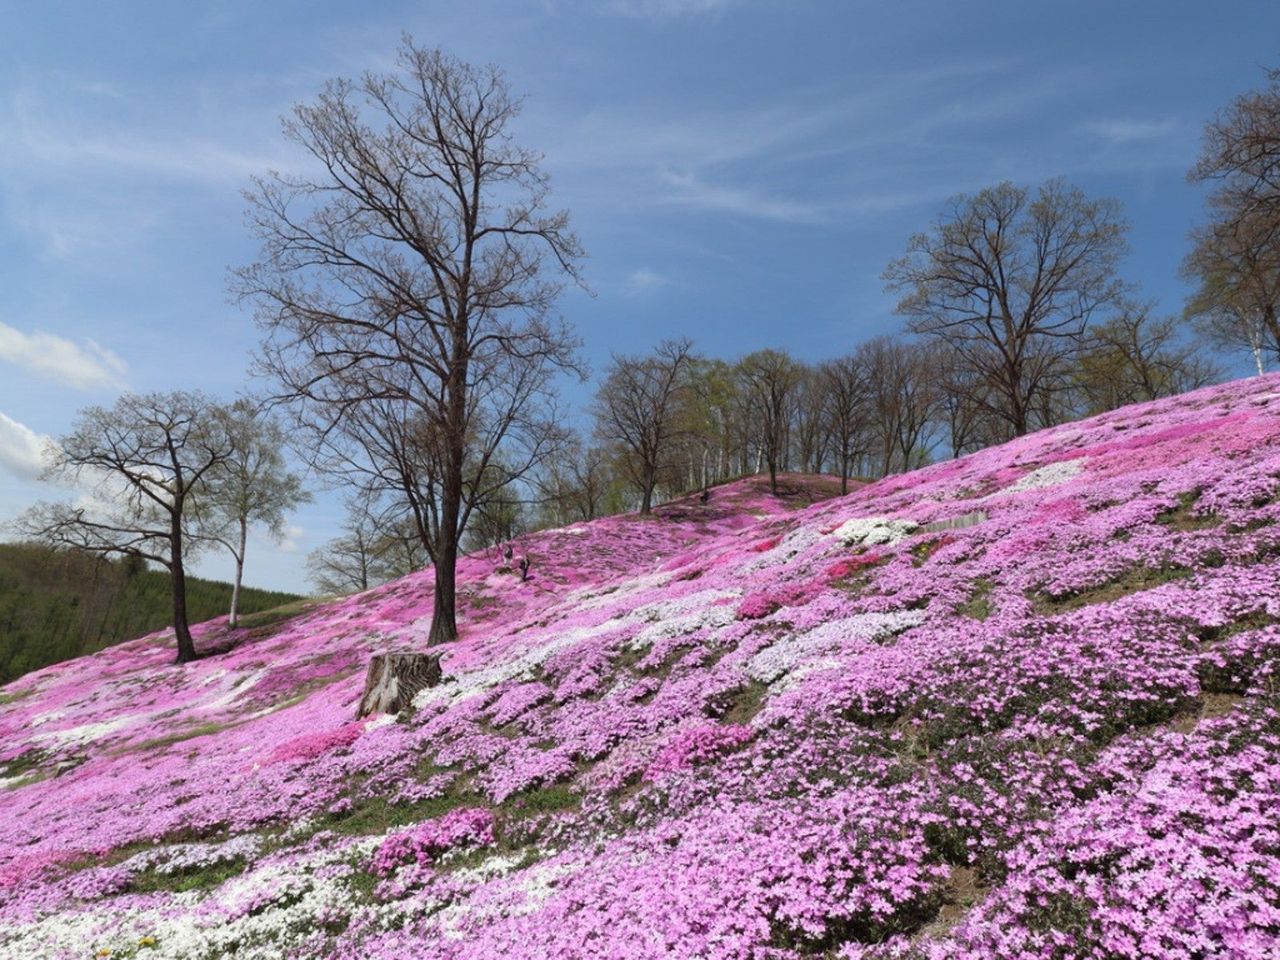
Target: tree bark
[233,618]
[394,679]
[181,632]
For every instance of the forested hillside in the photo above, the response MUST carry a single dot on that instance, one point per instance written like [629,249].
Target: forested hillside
[55,605]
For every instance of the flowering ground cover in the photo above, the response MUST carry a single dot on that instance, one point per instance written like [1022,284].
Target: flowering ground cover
[1022,704]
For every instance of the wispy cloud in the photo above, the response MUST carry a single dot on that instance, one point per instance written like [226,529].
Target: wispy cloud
[1133,131]
[666,9]
[21,449]
[63,131]
[85,366]
[692,191]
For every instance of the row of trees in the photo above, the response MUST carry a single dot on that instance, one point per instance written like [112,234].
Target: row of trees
[672,421]
[406,286]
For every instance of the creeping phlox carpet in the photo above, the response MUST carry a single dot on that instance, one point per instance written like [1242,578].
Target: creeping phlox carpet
[1021,704]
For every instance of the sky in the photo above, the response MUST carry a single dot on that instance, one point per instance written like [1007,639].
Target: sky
[739,171]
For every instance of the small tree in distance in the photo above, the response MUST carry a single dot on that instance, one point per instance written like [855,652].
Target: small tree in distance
[251,486]
[636,410]
[768,380]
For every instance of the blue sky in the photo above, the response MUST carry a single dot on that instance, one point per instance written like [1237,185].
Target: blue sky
[740,172]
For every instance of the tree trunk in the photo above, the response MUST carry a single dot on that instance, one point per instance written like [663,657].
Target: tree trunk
[178,580]
[394,679]
[444,613]
[232,619]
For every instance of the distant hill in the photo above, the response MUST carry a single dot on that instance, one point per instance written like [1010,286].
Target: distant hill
[55,605]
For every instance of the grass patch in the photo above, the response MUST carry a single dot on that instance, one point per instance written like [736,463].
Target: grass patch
[201,730]
[743,703]
[378,815]
[8,698]
[1131,581]
[193,878]
[1184,517]
[30,761]
[552,798]
[978,606]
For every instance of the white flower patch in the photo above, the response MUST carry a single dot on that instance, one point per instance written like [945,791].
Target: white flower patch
[86,733]
[680,616]
[237,688]
[786,548]
[874,531]
[681,626]
[176,858]
[1049,475]
[286,900]
[469,683]
[524,893]
[798,656]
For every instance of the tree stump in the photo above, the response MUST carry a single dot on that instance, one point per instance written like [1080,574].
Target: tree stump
[394,679]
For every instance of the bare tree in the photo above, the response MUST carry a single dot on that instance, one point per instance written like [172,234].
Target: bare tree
[903,395]
[1010,281]
[145,462]
[574,487]
[845,390]
[1135,357]
[251,486]
[406,291]
[1235,258]
[346,563]
[636,406]
[809,421]
[768,380]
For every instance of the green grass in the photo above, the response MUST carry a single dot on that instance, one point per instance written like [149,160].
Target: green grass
[196,878]
[1134,580]
[978,606]
[55,605]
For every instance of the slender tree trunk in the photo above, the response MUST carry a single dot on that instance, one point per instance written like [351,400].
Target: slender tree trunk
[233,618]
[178,577]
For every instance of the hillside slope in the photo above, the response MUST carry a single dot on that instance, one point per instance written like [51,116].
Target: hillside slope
[1019,704]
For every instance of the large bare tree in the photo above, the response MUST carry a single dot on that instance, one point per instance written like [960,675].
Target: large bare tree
[1010,279]
[142,463]
[1235,258]
[636,409]
[406,284]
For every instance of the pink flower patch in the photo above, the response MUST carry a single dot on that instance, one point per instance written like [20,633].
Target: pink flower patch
[312,745]
[423,844]
[697,746]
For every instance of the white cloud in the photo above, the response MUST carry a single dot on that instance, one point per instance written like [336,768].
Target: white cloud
[643,280]
[84,366]
[21,449]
